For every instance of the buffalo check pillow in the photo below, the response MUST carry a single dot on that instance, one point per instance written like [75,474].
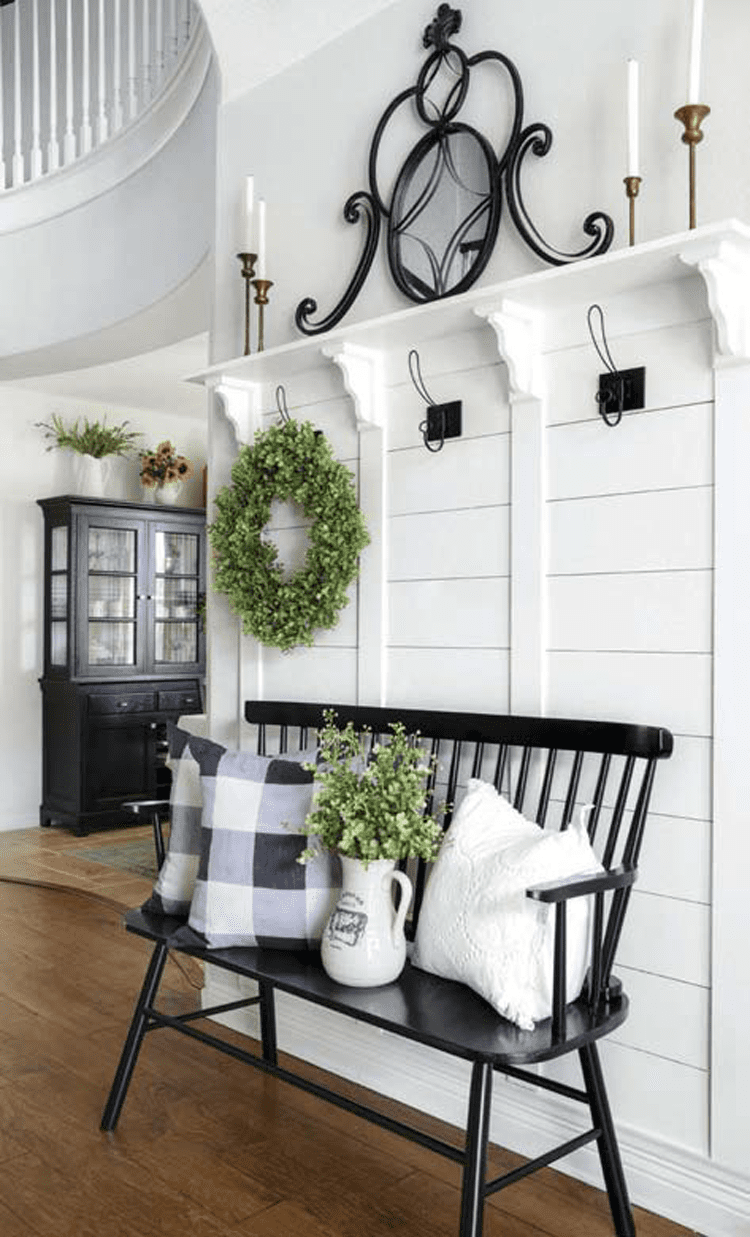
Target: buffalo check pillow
[250,888]
[173,890]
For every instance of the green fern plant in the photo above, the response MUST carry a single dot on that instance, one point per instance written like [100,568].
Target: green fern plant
[90,438]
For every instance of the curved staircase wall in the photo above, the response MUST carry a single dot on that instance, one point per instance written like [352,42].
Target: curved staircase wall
[92,246]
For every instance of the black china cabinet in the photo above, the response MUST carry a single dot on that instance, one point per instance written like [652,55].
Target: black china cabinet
[124,651]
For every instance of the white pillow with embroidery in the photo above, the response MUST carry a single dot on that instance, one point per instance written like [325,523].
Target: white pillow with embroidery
[476,924]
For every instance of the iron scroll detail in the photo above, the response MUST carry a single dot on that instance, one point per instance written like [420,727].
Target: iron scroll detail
[453,169]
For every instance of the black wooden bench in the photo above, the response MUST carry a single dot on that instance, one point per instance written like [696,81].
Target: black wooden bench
[549,768]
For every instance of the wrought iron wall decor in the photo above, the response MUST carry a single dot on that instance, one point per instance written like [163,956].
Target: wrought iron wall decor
[451,158]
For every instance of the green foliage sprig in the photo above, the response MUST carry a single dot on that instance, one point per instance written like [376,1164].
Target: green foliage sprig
[292,461]
[372,806]
[90,438]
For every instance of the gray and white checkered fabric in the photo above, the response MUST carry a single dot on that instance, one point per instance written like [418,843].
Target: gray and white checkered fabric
[175,884]
[250,888]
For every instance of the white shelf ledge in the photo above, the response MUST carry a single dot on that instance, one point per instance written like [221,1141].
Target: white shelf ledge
[720,252]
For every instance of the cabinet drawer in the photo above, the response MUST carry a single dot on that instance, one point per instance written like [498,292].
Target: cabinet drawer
[185,701]
[127,702]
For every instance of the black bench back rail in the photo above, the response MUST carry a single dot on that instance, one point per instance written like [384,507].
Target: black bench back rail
[549,768]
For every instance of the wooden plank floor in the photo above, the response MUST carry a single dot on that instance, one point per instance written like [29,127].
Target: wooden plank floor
[205,1145]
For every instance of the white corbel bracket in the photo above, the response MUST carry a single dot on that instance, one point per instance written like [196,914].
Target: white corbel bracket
[725,268]
[242,406]
[362,370]
[518,332]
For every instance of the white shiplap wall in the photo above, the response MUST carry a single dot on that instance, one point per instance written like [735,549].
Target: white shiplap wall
[626,631]
[630,587]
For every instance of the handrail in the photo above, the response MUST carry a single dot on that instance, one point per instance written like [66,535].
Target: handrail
[75,73]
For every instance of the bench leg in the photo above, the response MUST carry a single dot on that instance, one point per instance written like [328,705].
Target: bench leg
[134,1038]
[268,1022]
[475,1166]
[609,1152]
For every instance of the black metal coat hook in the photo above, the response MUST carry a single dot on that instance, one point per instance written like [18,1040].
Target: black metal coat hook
[443,420]
[281,404]
[620,390]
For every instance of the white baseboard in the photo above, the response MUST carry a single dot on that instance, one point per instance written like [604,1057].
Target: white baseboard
[681,1185]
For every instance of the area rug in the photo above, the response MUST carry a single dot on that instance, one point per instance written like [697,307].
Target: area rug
[137,857]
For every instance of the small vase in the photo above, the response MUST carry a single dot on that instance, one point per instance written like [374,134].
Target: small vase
[92,475]
[363,944]
[168,493]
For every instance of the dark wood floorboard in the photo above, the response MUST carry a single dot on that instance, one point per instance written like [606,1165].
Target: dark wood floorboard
[205,1147]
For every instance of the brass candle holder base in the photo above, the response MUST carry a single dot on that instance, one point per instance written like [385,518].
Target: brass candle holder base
[248,261]
[691,117]
[632,185]
[262,287]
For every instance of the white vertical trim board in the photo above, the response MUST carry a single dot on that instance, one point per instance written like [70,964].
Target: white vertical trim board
[731,846]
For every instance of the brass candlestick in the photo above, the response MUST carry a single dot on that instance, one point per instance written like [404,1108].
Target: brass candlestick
[691,116]
[248,261]
[261,300]
[632,185]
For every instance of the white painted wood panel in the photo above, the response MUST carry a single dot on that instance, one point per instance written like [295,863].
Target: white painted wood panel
[677,360]
[636,311]
[676,857]
[457,544]
[647,1092]
[656,689]
[669,937]
[472,679]
[647,451]
[667,530]
[321,675]
[683,783]
[637,611]
[667,1018]
[468,472]
[484,398]
[449,613]
[442,357]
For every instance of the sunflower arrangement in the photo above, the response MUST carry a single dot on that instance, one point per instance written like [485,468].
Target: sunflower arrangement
[164,464]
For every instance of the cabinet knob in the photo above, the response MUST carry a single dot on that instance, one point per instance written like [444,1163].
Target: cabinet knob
[122,704]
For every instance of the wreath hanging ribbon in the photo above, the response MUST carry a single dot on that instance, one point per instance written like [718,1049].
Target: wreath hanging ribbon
[291,461]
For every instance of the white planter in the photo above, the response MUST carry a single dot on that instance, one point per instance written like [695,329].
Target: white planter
[168,493]
[363,944]
[92,477]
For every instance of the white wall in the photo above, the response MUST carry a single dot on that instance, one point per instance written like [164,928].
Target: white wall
[627,600]
[28,472]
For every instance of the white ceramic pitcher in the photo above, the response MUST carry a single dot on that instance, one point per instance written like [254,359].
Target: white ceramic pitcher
[363,943]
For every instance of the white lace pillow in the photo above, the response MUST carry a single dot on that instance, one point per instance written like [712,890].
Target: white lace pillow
[477,926]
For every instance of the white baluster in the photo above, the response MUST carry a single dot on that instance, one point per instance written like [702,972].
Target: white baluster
[17,120]
[117,100]
[53,146]
[86,132]
[102,128]
[35,160]
[132,79]
[2,115]
[69,137]
[146,53]
[174,45]
[158,44]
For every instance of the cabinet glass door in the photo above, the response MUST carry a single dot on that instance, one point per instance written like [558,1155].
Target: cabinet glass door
[112,570]
[176,595]
[58,591]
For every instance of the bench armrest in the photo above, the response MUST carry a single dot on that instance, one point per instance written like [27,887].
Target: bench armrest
[579,886]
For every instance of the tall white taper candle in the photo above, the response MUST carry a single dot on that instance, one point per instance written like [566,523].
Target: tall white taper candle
[696,38]
[633,151]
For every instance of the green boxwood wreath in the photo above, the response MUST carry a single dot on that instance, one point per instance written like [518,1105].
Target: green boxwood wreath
[291,461]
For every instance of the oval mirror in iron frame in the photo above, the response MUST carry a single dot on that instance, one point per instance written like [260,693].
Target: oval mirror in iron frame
[444,214]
